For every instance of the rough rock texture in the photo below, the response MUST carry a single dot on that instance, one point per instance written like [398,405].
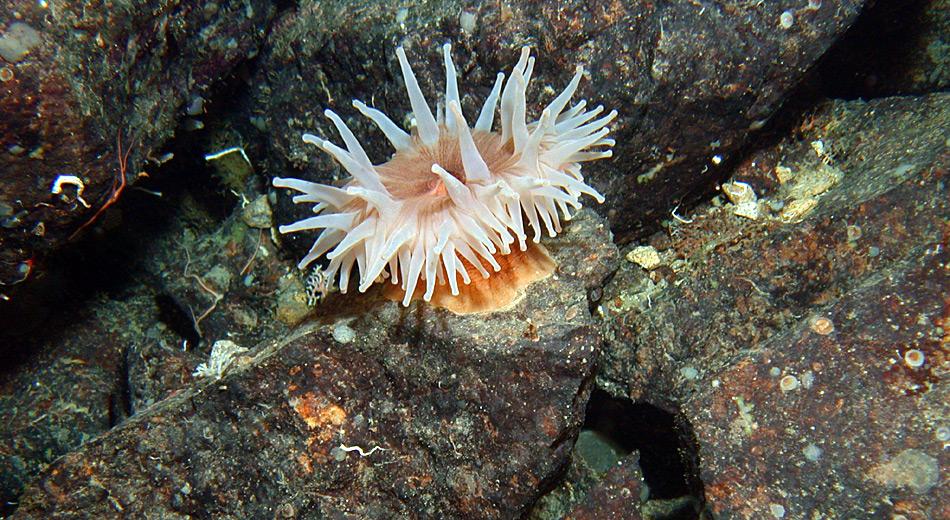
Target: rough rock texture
[690,79]
[898,47]
[615,496]
[842,275]
[849,420]
[475,414]
[107,339]
[592,463]
[91,89]
[42,421]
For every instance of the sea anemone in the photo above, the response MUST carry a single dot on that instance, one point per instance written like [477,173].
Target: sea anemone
[455,200]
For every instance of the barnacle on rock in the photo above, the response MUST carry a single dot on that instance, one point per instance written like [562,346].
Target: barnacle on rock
[455,202]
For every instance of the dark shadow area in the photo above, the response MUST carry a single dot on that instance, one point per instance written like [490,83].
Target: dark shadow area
[880,54]
[874,58]
[664,441]
[108,259]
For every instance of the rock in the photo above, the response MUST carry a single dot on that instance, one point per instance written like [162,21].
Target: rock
[292,306]
[419,412]
[17,41]
[795,331]
[98,90]
[601,482]
[615,496]
[257,214]
[764,445]
[644,256]
[115,337]
[59,398]
[691,82]
[894,48]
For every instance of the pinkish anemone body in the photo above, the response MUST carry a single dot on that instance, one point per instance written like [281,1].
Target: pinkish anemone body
[454,199]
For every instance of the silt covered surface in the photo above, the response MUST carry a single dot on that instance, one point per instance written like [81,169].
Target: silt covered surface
[474,415]
[94,93]
[692,81]
[784,340]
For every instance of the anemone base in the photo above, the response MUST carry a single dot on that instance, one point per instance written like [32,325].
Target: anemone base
[499,292]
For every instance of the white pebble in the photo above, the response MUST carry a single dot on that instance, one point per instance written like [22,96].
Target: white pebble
[689,373]
[343,333]
[786,20]
[812,452]
[467,22]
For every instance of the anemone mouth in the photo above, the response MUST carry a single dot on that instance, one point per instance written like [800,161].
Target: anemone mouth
[408,174]
[456,204]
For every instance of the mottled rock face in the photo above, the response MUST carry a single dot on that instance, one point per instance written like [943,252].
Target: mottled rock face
[88,92]
[800,328]
[847,420]
[384,411]
[691,82]
[806,351]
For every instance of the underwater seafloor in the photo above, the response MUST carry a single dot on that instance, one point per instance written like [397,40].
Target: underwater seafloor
[753,325]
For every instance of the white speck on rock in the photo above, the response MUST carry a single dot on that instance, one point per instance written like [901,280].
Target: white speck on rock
[786,20]
[343,333]
[17,41]
[644,256]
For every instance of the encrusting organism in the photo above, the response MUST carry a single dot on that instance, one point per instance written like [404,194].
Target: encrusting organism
[455,202]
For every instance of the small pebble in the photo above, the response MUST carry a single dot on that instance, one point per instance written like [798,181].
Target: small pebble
[796,210]
[812,452]
[786,20]
[914,358]
[17,41]
[343,333]
[644,256]
[822,325]
[258,213]
[749,210]
[467,21]
[738,192]
[338,454]
[196,106]
[788,383]
[689,373]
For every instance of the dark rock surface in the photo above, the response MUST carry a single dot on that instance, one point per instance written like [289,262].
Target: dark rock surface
[691,80]
[474,414]
[42,419]
[90,360]
[92,92]
[898,47]
[786,348]
[825,303]
[849,427]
